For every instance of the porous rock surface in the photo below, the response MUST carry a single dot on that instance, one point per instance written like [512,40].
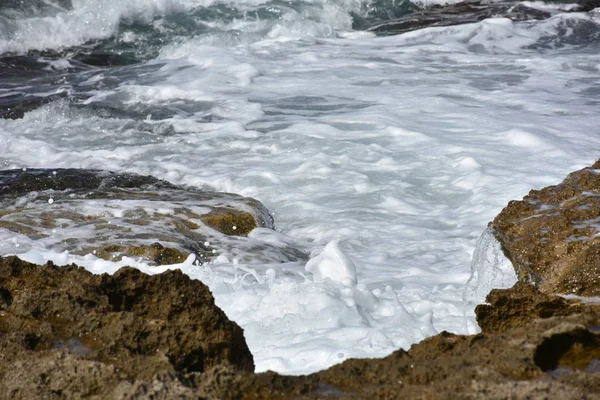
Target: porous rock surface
[519,355]
[552,236]
[66,333]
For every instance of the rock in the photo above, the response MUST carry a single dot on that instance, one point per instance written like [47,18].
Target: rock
[16,109]
[515,357]
[406,17]
[65,333]
[125,215]
[552,236]
[456,14]
[518,306]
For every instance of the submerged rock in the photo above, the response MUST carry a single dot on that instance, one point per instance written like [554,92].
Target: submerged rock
[406,17]
[552,236]
[115,215]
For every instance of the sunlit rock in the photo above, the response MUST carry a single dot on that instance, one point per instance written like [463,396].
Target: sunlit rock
[64,330]
[552,236]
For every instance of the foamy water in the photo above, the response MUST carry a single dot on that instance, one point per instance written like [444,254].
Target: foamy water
[383,159]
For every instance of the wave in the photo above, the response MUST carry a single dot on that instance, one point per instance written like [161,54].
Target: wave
[119,32]
[146,24]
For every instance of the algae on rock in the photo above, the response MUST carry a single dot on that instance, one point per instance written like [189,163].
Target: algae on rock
[115,215]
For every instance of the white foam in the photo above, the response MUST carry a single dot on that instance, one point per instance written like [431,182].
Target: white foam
[384,158]
[489,269]
[331,263]
[88,19]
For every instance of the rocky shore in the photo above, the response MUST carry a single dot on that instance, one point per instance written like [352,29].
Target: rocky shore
[66,333]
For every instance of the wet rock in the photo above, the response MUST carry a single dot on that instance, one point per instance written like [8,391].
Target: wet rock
[15,107]
[456,14]
[516,356]
[406,17]
[115,215]
[552,235]
[65,333]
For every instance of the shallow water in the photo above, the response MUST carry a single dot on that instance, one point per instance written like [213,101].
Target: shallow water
[382,158]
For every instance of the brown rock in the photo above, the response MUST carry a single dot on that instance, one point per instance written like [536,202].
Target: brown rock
[519,355]
[520,305]
[116,215]
[66,333]
[230,221]
[155,253]
[552,236]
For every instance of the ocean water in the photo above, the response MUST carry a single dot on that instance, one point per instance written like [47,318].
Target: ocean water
[382,159]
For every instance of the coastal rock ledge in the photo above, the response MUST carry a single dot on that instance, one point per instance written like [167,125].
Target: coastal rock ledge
[552,236]
[68,334]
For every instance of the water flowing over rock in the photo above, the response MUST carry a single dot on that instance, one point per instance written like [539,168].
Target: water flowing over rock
[115,215]
[552,236]
[405,16]
[65,333]
[550,353]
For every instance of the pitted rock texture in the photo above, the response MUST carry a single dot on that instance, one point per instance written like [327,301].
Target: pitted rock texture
[66,333]
[552,236]
[521,304]
[115,215]
[518,357]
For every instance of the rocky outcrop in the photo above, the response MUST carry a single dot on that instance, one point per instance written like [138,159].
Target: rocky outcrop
[115,215]
[65,332]
[552,236]
[519,355]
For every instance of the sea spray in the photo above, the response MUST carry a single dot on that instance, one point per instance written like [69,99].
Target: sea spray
[490,269]
[400,148]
